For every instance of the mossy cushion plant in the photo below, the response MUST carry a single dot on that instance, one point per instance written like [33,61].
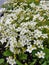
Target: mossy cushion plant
[24,33]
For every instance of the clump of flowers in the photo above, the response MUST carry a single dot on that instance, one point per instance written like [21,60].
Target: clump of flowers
[24,33]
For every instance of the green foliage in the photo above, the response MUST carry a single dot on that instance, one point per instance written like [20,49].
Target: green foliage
[44,63]
[46,50]
[1,61]
[29,1]
[37,2]
[33,52]
[7,53]
[33,62]
[6,64]
[8,6]
[23,56]
[18,62]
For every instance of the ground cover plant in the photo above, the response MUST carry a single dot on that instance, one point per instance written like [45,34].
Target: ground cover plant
[24,33]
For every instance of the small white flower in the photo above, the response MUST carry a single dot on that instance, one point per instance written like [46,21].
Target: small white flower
[46,26]
[8,21]
[3,40]
[13,42]
[30,48]
[0,28]
[23,40]
[1,20]
[37,33]
[27,18]
[32,5]
[40,54]
[18,29]
[18,10]
[24,30]
[2,10]
[14,16]
[44,6]
[40,46]
[12,49]
[41,18]
[11,61]
[32,24]
[45,36]
[36,16]
[22,17]
[38,42]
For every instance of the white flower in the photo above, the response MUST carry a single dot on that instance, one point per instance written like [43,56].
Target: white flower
[24,30]
[37,33]
[42,1]
[27,18]
[40,54]
[14,16]
[1,20]
[3,40]
[12,49]
[46,26]
[22,17]
[8,21]
[41,18]
[13,42]
[30,48]
[0,28]
[30,24]
[18,10]
[18,29]
[24,40]
[45,36]
[2,10]
[44,6]
[41,46]
[36,16]
[11,61]
[32,5]
[38,42]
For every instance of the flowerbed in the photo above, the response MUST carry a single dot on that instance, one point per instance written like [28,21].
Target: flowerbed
[24,33]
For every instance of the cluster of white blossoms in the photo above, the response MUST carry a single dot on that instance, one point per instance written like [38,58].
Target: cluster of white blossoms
[22,26]
[40,54]
[10,60]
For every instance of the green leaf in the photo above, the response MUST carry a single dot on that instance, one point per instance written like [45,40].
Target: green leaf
[18,62]
[33,62]
[21,0]
[6,63]
[23,56]
[1,61]
[46,50]
[7,6]
[37,2]
[7,53]
[34,1]
[33,52]
[44,63]
[30,1]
